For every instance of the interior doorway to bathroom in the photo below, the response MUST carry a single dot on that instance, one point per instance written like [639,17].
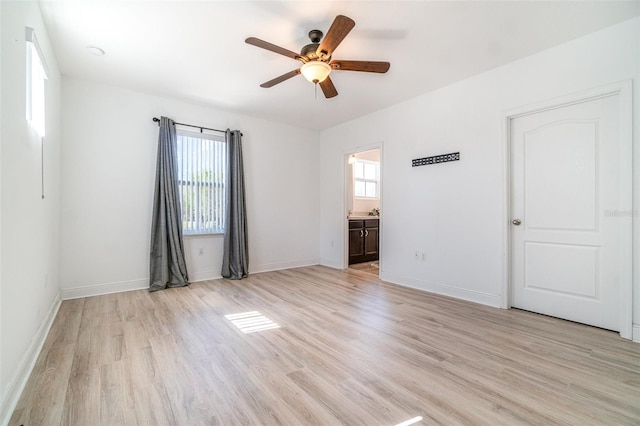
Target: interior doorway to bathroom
[363,202]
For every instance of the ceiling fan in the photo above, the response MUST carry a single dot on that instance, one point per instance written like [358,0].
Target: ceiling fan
[316,57]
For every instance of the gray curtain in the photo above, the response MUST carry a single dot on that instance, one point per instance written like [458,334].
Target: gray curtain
[167,266]
[235,260]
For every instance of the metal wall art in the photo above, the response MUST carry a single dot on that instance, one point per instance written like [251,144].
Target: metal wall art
[444,158]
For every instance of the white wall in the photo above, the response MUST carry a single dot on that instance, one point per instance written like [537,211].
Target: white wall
[454,211]
[109,161]
[30,225]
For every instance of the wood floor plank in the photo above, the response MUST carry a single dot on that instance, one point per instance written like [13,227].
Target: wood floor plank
[152,406]
[260,403]
[329,396]
[115,394]
[47,394]
[188,397]
[82,400]
[350,349]
[305,408]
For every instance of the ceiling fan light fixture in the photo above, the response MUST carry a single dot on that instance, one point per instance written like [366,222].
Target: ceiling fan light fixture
[315,71]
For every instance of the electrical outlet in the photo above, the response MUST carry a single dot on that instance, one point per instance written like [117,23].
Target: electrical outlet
[201,251]
[417,255]
[423,256]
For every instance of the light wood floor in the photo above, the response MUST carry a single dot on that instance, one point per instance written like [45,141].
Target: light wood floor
[350,350]
[369,267]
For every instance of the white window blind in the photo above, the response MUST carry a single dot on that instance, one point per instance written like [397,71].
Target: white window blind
[202,165]
[36,75]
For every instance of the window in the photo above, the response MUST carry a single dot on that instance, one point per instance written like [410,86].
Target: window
[36,75]
[202,165]
[366,178]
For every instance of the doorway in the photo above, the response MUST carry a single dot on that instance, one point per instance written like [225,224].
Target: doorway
[363,202]
[569,168]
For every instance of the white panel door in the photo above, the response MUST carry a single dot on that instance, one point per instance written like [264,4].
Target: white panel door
[565,177]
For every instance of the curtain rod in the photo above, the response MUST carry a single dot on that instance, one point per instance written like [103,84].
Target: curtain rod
[157,120]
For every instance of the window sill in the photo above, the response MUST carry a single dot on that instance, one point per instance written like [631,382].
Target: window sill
[207,234]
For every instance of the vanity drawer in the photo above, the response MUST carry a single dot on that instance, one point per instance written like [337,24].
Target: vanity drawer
[356,224]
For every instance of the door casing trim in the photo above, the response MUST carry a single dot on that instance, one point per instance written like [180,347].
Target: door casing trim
[343,208]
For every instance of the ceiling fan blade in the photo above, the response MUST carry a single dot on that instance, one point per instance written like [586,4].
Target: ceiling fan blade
[272,47]
[280,79]
[336,33]
[365,66]
[328,88]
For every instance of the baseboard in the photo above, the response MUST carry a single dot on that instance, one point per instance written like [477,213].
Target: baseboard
[121,286]
[443,289]
[267,267]
[636,333]
[10,396]
[100,289]
[331,263]
[204,276]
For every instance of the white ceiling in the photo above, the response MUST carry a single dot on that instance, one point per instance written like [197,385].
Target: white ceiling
[195,50]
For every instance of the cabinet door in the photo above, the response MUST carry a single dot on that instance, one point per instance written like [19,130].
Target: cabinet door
[356,242]
[371,242]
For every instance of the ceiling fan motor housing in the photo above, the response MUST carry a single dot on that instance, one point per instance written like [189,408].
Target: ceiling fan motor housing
[315,36]
[309,51]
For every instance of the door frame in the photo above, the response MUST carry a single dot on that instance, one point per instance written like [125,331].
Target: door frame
[344,213]
[623,90]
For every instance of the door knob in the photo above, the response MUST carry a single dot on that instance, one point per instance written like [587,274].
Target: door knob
[516,222]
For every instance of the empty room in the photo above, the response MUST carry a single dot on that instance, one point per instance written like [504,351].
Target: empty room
[328,213]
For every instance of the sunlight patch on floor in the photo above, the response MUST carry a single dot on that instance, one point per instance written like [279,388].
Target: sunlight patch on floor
[410,421]
[250,322]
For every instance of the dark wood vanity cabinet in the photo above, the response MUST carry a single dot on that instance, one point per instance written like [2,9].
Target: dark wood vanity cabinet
[363,240]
